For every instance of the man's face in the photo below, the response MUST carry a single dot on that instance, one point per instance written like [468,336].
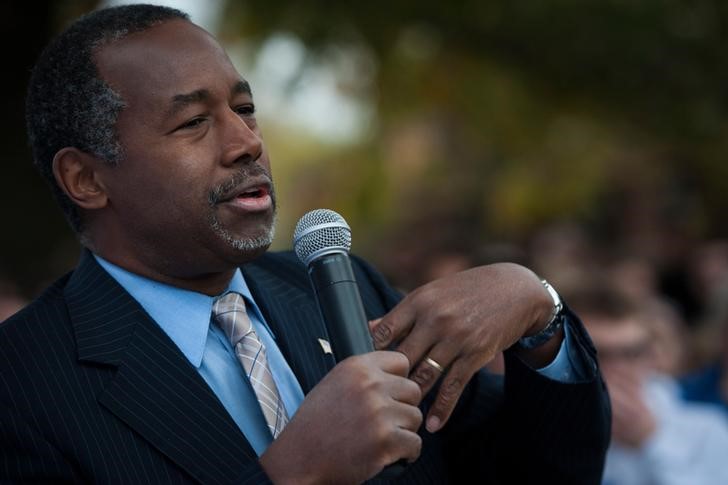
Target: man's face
[622,343]
[193,191]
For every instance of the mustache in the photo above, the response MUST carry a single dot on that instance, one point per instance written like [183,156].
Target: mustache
[225,190]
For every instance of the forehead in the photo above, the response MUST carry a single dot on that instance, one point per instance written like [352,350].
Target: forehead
[148,68]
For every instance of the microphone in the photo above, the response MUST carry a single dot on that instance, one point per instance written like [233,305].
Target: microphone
[322,241]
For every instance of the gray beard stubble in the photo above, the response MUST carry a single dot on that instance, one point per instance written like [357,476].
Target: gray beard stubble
[248,244]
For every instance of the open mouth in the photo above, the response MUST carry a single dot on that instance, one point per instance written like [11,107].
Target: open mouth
[254,193]
[257,198]
[244,193]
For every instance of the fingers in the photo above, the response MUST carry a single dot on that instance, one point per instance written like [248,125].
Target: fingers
[423,378]
[403,442]
[429,362]
[419,342]
[425,374]
[398,438]
[390,362]
[408,416]
[449,392]
[396,366]
[632,420]
[432,366]
[409,446]
[368,397]
[625,399]
[393,325]
[407,391]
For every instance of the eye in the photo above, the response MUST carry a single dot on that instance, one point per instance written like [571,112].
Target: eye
[245,110]
[193,123]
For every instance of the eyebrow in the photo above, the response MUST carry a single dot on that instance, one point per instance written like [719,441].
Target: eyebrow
[242,87]
[181,101]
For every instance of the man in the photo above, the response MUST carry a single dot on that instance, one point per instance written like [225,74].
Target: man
[657,437]
[134,367]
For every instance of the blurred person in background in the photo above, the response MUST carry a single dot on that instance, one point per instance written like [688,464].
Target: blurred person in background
[708,380]
[563,253]
[657,437]
[709,383]
[636,281]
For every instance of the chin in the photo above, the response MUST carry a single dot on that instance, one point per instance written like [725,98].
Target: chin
[249,245]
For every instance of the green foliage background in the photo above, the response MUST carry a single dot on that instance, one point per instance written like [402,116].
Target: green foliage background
[492,120]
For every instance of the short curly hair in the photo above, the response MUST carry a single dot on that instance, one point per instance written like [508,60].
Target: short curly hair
[68,104]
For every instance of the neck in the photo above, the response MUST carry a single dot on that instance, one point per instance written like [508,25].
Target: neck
[210,284]
[204,273]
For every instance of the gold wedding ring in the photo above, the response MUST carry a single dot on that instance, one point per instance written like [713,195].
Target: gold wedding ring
[434,364]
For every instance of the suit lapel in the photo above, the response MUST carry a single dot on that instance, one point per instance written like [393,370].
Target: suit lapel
[155,391]
[290,310]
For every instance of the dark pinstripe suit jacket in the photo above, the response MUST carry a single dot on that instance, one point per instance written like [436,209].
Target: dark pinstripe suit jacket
[92,390]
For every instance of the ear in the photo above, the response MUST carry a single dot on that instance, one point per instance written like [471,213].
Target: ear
[76,173]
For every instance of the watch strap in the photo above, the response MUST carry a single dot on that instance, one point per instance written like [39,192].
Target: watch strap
[554,325]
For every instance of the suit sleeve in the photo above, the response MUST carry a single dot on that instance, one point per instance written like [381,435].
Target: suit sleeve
[567,425]
[538,430]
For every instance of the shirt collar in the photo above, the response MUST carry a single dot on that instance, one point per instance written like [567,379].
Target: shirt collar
[184,315]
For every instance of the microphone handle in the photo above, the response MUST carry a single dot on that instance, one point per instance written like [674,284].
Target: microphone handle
[338,297]
[340,303]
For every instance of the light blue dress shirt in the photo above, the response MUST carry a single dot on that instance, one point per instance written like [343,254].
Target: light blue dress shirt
[186,317]
[565,367]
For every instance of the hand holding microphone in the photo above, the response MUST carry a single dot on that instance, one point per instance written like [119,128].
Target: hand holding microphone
[362,418]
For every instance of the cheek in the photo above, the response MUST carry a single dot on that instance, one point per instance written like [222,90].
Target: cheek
[173,175]
[181,204]
[171,172]
[171,195]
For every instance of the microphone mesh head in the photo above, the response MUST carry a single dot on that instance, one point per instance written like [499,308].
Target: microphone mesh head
[319,232]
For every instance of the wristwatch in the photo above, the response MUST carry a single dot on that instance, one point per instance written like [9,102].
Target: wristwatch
[555,322]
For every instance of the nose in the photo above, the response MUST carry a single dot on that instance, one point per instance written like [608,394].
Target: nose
[241,140]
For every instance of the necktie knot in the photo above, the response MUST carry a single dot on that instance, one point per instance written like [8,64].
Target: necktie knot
[231,315]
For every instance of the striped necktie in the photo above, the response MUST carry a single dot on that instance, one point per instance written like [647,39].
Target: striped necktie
[229,312]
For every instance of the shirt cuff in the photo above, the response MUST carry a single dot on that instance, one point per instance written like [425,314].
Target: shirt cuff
[564,368]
